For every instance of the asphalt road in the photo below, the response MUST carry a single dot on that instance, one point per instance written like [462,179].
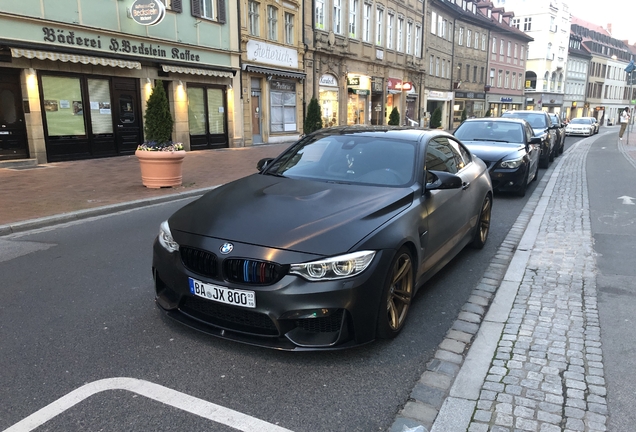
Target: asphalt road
[76,306]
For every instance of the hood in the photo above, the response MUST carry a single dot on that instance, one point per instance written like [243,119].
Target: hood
[495,151]
[299,215]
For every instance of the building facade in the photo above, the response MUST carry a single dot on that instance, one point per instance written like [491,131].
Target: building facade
[508,47]
[577,69]
[76,76]
[548,23]
[607,92]
[363,59]
[273,71]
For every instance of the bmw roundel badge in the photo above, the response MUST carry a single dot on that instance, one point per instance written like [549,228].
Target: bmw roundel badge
[226,248]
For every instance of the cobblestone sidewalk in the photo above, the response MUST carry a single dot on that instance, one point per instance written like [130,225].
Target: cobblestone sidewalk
[547,374]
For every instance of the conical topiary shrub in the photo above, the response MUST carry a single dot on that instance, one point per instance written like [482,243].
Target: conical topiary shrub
[158,125]
[394,117]
[313,121]
[488,113]
[436,118]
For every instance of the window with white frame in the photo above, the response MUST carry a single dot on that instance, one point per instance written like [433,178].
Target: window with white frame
[469,38]
[253,17]
[272,23]
[434,24]
[527,24]
[501,47]
[353,15]
[484,43]
[366,23]
[379,21]
[418,41]
[520,83]
[319,14]
[409,34]
[516,22]
[400,34]
[390,23]
[494,45]
[437,66]
[507,80]
[337,16]
[207,9]
[440,26]
[443,68]
[460,39]
[476,40]
[431,65]
[499,78]
[491,81]
[516,52]
[509,48]
[283,106]
[289,28]
[445,26]
[521,57]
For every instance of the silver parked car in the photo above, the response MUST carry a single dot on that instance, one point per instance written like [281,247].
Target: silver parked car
[580,126]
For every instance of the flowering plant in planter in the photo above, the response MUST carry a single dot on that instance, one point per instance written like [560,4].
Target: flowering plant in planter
[155,146]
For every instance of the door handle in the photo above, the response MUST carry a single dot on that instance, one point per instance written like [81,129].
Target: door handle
[465,186]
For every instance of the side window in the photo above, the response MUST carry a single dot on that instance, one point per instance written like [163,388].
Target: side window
[445,155]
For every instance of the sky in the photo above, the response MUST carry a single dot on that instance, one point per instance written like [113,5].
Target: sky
[619,13]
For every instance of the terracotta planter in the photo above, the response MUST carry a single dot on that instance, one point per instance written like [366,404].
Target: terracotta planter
[161,168]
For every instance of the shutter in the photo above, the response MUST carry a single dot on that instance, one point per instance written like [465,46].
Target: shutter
[221,11]
[176,6]
[196,8]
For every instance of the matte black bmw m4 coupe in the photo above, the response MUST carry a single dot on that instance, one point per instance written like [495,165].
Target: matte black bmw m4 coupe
[326,246]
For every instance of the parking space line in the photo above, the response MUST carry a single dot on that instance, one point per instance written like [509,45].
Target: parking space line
[159,393]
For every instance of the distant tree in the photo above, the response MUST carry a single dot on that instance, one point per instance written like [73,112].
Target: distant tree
[394,117]
[436,118]
[488,113]
[313,121]
[463,115]
[158,127]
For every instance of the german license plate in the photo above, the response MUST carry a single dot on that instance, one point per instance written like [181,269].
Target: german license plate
[222,294]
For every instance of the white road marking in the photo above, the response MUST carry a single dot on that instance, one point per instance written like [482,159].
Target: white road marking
[626,199]
[191,404]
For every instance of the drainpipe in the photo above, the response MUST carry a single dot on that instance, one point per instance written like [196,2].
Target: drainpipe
[450,117]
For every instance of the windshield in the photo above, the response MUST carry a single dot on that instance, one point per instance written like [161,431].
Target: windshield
[490,131]
[580,121]
[350,158]
[536,119]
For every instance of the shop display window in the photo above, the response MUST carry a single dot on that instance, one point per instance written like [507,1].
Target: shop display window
[63,108]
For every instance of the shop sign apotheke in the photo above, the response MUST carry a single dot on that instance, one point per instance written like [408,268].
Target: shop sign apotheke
[147,12]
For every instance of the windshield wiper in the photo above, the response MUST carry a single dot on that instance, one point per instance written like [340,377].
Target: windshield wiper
[488,139]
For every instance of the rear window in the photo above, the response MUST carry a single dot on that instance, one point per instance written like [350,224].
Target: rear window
[536,119]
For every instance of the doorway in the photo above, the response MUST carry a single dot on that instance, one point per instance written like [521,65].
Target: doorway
[126,115]
[13,137]
[207,117]
[257,118]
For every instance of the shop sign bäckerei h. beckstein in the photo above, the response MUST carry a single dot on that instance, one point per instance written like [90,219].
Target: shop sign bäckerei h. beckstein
[271,54]
[147,12]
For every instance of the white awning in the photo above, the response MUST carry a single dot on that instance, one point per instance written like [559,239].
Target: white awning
[74,58]
[195,71]
[275,72]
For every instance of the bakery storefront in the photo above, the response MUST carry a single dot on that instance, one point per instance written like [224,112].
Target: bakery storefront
[72,93]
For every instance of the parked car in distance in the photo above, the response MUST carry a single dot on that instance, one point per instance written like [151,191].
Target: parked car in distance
[595,122]
[326,246]
[580,126]
[560,132]
[543,128]
[507,146]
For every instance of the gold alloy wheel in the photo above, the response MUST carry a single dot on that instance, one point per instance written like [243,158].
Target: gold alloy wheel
[484,219]
[400,291]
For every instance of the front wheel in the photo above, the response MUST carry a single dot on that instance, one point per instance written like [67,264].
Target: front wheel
[483,224]
[396,296]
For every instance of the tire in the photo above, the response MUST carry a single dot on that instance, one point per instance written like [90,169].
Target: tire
[396,295]
[483,224]
[522,190]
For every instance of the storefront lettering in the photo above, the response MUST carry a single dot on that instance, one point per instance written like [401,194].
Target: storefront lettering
[59,36]
[282,85]
[267,53]
[70,38]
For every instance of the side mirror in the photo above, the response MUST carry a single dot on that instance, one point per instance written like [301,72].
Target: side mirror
[535,140]
[444,180]
[262,164]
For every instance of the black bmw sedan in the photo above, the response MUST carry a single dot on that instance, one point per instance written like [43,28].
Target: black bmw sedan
[327,244]
[507,146]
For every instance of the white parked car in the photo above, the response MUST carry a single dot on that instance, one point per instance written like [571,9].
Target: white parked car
[580,126]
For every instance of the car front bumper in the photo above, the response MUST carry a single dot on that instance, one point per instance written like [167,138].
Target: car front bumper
[290,314]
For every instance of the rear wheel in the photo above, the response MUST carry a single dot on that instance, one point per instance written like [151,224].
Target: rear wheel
[483,224]
[396,296]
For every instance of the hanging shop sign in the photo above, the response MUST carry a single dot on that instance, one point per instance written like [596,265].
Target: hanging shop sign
[147,12]
[271,54]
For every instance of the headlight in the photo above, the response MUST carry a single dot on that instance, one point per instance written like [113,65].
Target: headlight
[512,163]
[165,238]
[339,267]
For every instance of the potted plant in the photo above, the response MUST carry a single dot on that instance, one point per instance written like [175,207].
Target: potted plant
[160,159]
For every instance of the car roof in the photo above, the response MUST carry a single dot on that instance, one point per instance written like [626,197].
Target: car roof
[393,132]
[497,120]
[517,112]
